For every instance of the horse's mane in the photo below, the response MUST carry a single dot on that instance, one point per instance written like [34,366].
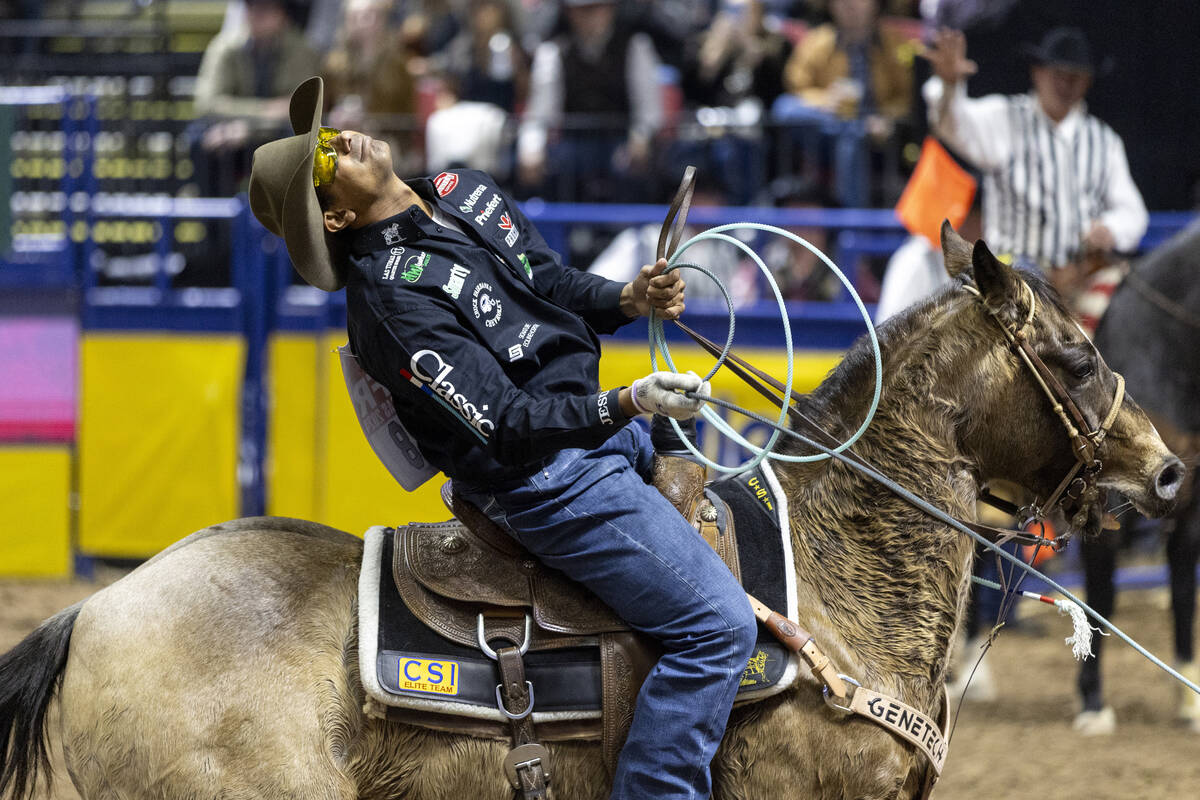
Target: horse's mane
[850,384]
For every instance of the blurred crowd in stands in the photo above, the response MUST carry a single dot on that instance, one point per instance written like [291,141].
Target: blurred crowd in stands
[791,103]
[583,100]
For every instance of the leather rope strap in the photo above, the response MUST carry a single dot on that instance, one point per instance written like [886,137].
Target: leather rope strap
[798,640]
[901,719]
[527,765]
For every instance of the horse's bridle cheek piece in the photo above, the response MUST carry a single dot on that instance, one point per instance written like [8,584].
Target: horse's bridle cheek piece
[1079,484]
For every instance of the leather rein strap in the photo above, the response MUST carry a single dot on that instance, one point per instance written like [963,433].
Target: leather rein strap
[672,229]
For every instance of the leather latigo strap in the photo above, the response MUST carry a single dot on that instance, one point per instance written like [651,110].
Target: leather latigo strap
[800,641]
[527,765]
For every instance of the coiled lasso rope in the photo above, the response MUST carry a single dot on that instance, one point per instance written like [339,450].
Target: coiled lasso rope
[658,342]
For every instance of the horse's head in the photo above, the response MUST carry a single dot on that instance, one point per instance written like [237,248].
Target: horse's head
[1054,418]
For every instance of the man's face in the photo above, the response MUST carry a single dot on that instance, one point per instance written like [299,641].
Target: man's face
[1059,88]
[591,22]
[265,20]
[363,171]
[854,16]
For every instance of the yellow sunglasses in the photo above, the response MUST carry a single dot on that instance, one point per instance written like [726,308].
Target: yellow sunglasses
[325,159]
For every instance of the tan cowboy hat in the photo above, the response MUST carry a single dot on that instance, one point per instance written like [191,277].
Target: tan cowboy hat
[282,194]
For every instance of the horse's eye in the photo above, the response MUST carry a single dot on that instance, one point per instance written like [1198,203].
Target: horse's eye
[1083,369]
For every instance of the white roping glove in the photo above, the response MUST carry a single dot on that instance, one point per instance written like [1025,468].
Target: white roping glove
[659,393]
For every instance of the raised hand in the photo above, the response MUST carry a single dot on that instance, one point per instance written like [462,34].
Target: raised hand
[947,54]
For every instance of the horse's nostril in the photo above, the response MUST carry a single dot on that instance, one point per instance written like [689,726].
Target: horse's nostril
[1170,478]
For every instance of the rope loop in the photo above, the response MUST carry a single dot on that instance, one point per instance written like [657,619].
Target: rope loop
[658,344]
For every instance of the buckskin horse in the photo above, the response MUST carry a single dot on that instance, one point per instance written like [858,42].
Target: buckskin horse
[1149,333]
[226,665]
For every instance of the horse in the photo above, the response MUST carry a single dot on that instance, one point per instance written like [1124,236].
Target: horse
[226,665]
[1148,333]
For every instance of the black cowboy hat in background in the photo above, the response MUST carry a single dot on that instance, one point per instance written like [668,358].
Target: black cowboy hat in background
[1066,47]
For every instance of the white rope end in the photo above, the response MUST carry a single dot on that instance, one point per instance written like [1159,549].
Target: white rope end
[1081,640]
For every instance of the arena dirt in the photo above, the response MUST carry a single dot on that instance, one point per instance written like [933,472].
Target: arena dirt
[1021,746]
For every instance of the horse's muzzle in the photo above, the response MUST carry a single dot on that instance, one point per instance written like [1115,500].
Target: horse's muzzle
[1169,479]
[1162,490]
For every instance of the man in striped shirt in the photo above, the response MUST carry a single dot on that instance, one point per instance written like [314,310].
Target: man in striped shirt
[1056,190]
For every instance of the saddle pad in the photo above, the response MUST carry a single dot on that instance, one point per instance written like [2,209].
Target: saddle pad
[405,665]
[764,541]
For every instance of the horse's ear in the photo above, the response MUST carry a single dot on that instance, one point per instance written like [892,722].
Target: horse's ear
[997,281]
[956,251]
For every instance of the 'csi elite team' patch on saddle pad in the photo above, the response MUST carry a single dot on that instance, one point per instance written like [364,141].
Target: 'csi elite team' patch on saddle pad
[418,653]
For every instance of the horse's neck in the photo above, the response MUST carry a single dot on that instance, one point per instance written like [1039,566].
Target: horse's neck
[882,578]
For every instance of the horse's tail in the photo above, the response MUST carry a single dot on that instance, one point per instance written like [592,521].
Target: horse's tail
[30,673]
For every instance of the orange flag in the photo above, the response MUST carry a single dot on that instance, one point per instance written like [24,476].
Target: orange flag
[938,189]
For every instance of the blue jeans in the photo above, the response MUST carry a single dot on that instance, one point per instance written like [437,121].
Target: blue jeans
[592,515]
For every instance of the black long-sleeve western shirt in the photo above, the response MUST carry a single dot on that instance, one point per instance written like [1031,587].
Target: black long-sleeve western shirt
[486,341]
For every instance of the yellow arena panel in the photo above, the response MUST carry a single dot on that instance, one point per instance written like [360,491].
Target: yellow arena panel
[35,534]
[158,439]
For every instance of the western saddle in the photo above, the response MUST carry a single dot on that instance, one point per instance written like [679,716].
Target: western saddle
[471,582]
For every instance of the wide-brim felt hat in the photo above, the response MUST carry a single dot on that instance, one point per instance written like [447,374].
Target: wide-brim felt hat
[282,195]
[1064,47]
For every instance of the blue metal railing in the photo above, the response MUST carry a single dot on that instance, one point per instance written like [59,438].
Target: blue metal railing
[262,296]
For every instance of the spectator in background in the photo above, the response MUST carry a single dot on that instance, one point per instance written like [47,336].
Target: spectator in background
[740,57]
[670,24]
[484,63]
[1057,192]
[242,90]
[485,78]
[801,275]
[848,80]
[731,73]
[368,70]
[371,75]
[597,86]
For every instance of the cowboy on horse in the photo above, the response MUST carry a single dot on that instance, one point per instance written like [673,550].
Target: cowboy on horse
[458,307]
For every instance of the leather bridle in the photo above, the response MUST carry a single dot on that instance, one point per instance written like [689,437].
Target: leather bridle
[1079,484]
